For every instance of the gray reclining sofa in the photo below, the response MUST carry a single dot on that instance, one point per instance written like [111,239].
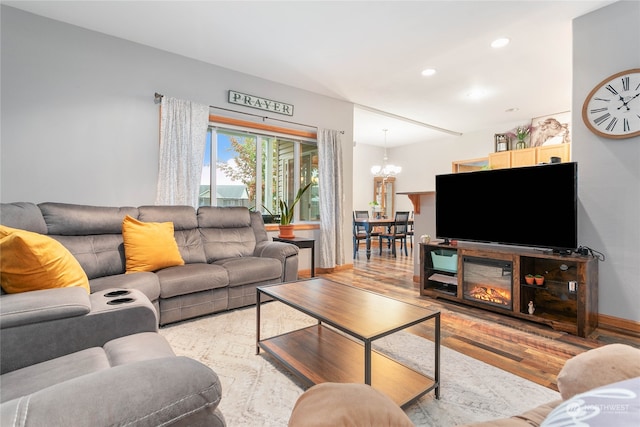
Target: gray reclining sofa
[73,359]
[226,251]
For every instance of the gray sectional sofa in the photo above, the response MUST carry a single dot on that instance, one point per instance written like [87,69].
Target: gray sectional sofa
[226,251]
[73,359]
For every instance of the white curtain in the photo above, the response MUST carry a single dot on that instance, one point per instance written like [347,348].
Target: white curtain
[331,246]
[183,136]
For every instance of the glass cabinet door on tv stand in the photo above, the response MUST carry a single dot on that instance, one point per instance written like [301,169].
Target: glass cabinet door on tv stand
[439,270]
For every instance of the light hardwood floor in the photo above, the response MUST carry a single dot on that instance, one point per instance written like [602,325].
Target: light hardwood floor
[532,351]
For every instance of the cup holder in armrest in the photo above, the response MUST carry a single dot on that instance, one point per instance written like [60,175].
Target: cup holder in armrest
[118,293]
[120,301]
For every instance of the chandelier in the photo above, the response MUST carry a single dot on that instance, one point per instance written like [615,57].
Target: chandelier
[386,170]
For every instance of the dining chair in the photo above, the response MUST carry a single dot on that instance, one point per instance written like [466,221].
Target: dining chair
[398,231]
[410,230]
[359,232]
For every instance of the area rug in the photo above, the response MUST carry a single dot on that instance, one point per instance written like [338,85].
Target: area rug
[258,391]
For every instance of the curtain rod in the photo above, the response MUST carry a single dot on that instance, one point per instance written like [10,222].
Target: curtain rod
[158,99]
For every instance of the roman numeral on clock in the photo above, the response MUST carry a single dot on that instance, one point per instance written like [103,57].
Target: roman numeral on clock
[612,124]
[625,83]
[611,89]
[597,110]
[603,118]
[625,125]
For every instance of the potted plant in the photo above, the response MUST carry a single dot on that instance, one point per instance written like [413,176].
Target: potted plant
[539,279]
[286,213]
[375,207]
[529,279]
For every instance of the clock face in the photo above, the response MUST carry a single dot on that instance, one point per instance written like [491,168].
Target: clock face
[612,109]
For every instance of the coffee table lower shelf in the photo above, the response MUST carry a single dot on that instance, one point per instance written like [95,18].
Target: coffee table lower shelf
[319,354]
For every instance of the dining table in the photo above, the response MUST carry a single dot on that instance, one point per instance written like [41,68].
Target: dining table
[370,223]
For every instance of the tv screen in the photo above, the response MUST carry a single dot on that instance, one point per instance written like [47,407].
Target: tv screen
[533,206]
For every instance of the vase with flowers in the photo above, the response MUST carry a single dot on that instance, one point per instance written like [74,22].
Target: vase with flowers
[521,133]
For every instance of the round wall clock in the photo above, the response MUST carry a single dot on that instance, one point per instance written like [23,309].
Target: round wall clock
[612,108]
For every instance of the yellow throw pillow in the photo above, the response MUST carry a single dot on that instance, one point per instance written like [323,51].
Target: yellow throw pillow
[32,261]
[149,246]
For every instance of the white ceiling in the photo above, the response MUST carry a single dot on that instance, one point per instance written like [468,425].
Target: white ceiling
[370,53]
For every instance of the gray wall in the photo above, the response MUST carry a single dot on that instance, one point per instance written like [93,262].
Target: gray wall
[79,124]
[607,41]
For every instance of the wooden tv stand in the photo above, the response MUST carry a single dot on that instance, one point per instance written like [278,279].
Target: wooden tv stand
[567,301]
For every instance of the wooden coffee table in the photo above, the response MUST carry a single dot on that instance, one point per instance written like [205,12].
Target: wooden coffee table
[325,352]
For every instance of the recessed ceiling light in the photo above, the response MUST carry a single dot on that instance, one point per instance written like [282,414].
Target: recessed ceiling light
[428,72]
[476,93]
[511,110]
[498,43]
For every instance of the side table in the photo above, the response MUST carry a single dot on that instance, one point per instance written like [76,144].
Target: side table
[302,243]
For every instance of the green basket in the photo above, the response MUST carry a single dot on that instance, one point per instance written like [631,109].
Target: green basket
[445,260]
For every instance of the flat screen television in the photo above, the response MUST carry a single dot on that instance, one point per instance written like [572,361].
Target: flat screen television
[533,206]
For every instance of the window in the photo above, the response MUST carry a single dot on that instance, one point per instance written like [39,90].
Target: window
[255,170]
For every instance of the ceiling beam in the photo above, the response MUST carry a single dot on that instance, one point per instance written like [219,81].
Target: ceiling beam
[408,120]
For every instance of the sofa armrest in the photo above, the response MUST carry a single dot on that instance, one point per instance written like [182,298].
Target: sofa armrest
[42,306]
[28,343]
[147,393]
[532,417]
[598,367]
[285,252]
[278,250]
